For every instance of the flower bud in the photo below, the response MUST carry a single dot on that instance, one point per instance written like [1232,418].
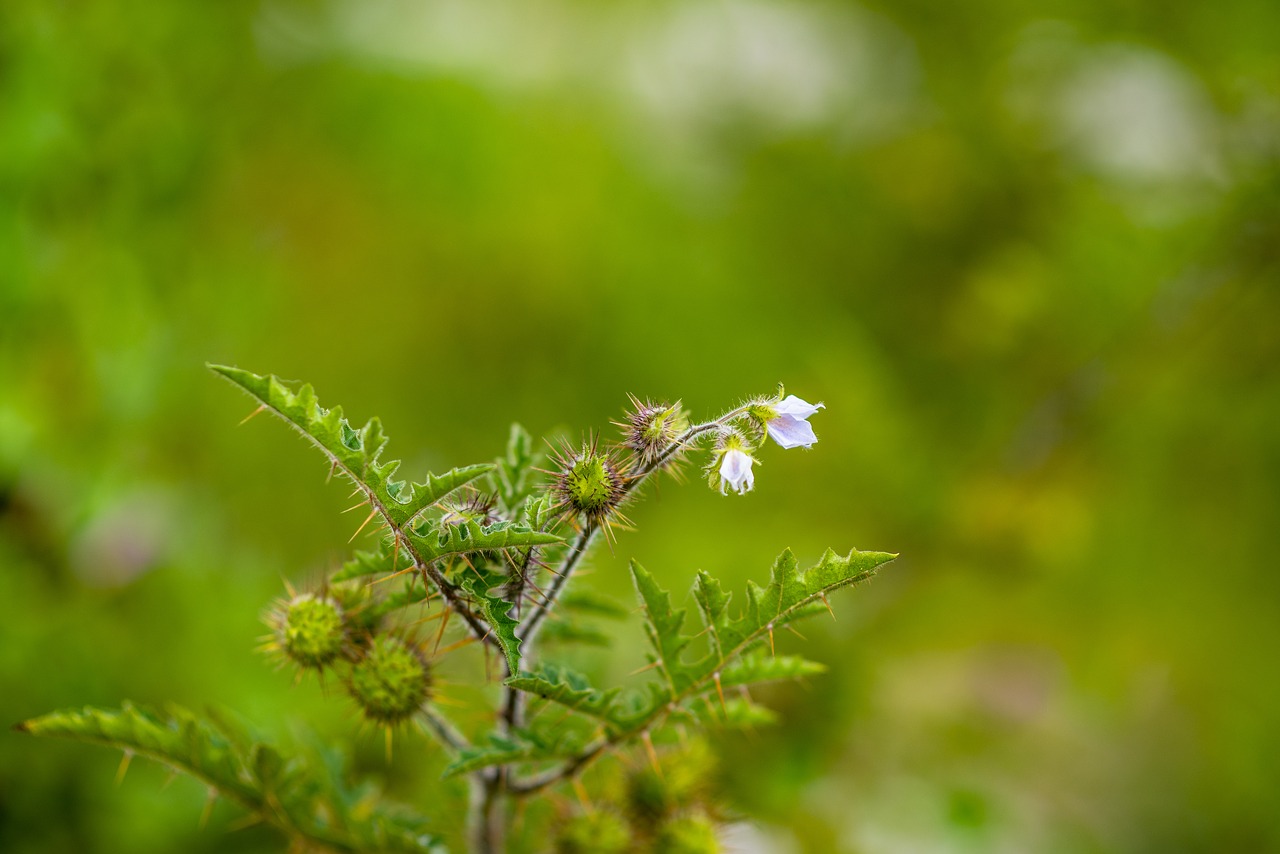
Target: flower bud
[588,482]
[652,429]
[391,681]
[310,630]
[599,832]
[689,834]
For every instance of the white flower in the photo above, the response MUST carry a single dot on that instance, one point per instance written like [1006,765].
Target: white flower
[735,470]
[790,426]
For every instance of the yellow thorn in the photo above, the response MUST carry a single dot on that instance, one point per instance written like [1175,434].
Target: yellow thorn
[394,574]
[251,414]
[828,604]
[653,756]
[581,792]
[354,506]
[440,634]
[772,651]
[720,691]
[648,666]
[367,520]
[208,807]
[459,644]
[124,766]
[794,632]
[333,466]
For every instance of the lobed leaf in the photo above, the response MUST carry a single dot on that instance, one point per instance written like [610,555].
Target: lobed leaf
[306,803]
[355,451]
[568,688]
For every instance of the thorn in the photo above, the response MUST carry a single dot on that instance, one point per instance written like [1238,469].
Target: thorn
[459,644]
[394,574]
[720,691]
[124,766]
[208,807]
[367,520]
[244,822]
[791,629]
[289,587]
[772,651]
[333,466]
[828,604]
[168,781]
[395,555]
[251,414]
[354,506]
[653,756]
[648,666]
[440,634]
[581,792]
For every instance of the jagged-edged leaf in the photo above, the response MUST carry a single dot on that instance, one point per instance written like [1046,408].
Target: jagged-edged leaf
[733,713]
[790,595]
[512,476]
[503,750]
[305,802]
[470,536]
[597,604]
[356,452]
[760,666]
[568,688]
[381,560]
[496,614]
[565,632]
[663,628]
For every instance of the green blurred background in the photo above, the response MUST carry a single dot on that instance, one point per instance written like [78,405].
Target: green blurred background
[1027,254]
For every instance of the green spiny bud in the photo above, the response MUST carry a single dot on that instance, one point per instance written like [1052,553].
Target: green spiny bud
[689,834]
[685,779]
[588,482]
[391,681]
[310,630]
[599,832]
[652,429]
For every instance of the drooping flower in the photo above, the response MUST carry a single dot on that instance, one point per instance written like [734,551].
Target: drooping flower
[735,470]
[731,465]
[789,426]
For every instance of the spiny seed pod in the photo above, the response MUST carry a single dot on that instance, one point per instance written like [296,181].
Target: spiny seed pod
[651,429]
[685,779]
[472,506]
[599,832]
[310,630]
[588,482]
[689,834]
[391,681]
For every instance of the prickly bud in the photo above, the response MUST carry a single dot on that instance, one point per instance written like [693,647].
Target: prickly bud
[391,682]
[651,429]
[598,832]
[689,834]
[588,482]
[311,630]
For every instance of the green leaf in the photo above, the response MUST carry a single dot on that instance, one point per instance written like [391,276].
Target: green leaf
[760,666]
[503,750]
[569,689]
[443,540]
[512,475]
[496,614]
[789,596]
[734,713]
[587,602]
[355,452]
[305,802]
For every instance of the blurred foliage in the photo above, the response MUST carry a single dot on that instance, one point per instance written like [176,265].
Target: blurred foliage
[1026,254]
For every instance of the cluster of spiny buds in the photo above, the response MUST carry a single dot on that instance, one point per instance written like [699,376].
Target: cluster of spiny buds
[388,676]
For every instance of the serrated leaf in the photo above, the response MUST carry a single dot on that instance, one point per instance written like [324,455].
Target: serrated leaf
[303,801]
[355,451]
[587,602]
[760,666]
[733,713]
[568,688]
[503,750]
[566,632]
[496,613]
[445,539]
[512,474]
[663,628]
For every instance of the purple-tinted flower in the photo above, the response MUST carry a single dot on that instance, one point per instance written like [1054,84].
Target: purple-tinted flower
[790,426]
[735,470]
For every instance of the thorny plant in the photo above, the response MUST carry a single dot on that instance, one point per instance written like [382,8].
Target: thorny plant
[488,552]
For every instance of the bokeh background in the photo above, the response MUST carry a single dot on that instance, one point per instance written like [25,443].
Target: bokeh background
[1028,255]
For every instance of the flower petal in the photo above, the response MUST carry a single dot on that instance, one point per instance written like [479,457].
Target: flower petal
[735,470]
[797,408]
[791,432]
